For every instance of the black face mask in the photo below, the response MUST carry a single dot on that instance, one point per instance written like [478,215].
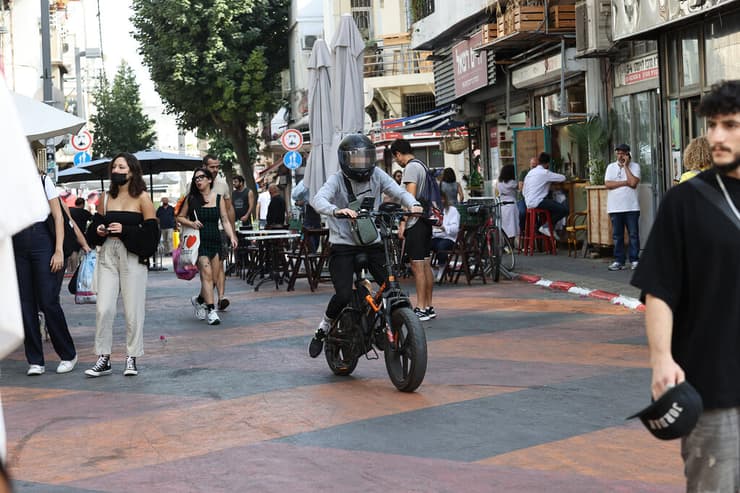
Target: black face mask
[118,178]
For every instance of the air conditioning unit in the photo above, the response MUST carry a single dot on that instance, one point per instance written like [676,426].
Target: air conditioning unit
[308,41]
[593,27]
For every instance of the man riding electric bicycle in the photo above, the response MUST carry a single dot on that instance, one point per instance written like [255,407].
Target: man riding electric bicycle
[356,185]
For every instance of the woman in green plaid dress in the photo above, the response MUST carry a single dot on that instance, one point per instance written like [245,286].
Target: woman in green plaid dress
[201,210]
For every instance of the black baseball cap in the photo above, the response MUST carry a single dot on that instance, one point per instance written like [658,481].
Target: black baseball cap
[622,147]
[674,414]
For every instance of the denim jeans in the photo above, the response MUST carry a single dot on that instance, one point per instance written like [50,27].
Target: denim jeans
[711,452]
[39,290]
[442,246]
[632,221]
[557,210]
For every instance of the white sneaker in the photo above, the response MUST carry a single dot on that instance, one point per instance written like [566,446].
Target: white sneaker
[544,230]
[35,370]
[213,318]
[130,369]
[616,266]
[199,308]
[634,265]
[67,366]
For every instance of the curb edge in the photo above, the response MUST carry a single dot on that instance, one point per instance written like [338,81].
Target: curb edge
[571,287]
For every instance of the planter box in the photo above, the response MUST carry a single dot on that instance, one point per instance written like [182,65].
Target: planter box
[563,17]
[500,26]
[489,32]
[529,18]
[599,224]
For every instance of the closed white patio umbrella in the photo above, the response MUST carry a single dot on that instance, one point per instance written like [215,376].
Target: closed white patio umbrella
[321,162]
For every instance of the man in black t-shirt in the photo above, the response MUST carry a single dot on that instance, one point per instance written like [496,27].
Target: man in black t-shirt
[81,217]
[243,200]
[276,209]
[689,280]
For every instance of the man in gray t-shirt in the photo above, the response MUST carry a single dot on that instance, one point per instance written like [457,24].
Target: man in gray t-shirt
[417,231]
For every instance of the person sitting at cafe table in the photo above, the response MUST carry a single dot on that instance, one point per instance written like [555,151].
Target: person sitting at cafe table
[276,210]
[536,189]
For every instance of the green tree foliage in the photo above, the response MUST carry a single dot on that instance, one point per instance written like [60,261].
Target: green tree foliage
[216,63]
[120,123]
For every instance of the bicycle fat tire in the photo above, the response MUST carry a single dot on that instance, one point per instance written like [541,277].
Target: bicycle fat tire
[340,356]
[406,357]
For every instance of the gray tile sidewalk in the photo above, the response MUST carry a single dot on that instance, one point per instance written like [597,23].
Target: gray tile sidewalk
[584,272]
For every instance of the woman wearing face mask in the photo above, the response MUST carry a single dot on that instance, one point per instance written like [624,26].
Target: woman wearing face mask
[126,227]
[201,210]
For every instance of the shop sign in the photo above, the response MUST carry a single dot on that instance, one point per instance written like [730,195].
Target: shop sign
[631,17]
[470,67]
[637,70]
[547,70]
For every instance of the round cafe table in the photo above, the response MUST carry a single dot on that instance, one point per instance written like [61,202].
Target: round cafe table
[270,241]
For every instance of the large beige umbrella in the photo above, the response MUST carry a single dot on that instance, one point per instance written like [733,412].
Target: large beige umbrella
[41,121]
[347,90]
[321,162]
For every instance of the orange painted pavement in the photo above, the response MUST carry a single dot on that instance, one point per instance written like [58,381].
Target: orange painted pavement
[627,452]
[512,347]
[158,437]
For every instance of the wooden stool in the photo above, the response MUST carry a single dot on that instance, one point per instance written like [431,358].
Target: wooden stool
[531,233]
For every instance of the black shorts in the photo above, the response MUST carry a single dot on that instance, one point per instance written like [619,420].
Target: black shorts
[419,240]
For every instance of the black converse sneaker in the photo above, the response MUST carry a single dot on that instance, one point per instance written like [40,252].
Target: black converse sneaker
[317,343]
[130,367]
[430,312]
[102,367]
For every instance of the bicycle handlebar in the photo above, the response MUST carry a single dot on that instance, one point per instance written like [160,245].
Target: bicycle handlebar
[367,213]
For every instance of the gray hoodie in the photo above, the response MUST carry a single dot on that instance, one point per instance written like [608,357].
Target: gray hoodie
[333,195]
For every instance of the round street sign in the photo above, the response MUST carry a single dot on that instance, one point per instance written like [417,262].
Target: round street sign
[82,141]
[81,158]
[291,139]
[292,160]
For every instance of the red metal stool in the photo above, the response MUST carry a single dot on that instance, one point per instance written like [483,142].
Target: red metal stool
[531,234]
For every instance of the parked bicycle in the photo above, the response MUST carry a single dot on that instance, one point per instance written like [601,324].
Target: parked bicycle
[497,252]
[383,320]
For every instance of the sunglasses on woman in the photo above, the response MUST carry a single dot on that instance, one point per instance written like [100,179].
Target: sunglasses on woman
[200,177]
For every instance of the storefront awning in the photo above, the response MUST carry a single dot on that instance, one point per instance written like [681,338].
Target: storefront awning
[436,120]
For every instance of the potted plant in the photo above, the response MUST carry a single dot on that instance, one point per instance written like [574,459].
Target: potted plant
[591,137]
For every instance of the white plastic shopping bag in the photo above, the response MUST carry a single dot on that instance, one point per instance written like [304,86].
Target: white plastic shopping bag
[86,279]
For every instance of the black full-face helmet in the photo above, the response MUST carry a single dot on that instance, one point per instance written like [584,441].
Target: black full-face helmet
[357,157]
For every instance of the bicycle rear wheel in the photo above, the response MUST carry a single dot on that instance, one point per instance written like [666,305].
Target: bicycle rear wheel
[406,356]
[508,260]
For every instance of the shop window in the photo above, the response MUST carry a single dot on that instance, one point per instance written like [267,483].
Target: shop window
[624,120]
[722,49]
[646,142]
[690,59]
[673,61]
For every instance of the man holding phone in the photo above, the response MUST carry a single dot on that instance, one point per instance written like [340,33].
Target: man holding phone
[621,180]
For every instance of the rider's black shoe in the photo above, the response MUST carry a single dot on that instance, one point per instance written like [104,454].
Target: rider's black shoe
[317,344]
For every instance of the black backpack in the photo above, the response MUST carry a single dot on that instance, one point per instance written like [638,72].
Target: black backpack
[70,240]
[431,197]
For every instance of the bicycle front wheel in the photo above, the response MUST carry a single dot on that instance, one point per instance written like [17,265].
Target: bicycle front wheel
[406,356]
